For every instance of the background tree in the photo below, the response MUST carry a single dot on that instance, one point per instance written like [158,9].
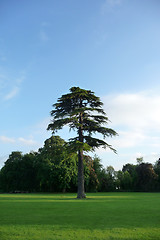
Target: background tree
[51,169]
[130,183]
[147,177]
[54,169]
[62,164]
[18,173]
[107,179]
[139,160]
[10,173]
[157,171]
[82,111]
[126,181]
[91,178]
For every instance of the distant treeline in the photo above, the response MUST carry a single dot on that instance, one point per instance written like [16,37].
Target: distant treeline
[54,169]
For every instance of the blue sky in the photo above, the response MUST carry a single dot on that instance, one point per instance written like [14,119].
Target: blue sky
[108,46]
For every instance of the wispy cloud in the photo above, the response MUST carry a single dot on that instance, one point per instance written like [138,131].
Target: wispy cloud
[110,5]
[20,79]
[45,24]
[3,80]
[14,86]
[12,93]
[4,139]
[113,2]
[43,36]
[20,141]
[42,126]
[43,32]
[29,142]
[22,144]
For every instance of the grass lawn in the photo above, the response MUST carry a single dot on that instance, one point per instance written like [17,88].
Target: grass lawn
[113,216]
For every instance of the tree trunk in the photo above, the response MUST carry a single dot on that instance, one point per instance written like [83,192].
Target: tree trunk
[81,192]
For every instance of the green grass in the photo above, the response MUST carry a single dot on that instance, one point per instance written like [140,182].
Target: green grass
[107,216]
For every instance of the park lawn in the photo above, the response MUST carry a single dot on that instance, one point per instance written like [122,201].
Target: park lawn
[112,216]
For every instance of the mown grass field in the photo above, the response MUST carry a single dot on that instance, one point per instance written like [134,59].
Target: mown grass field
[113,216]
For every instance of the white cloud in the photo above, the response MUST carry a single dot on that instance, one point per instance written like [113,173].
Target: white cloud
[27,141]
[136,118]
[139,111]
[125,140]
[12,93]
[128,139]
[21,140]
[5,139]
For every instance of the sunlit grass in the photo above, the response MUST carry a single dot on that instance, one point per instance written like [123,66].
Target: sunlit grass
[61,216]
[47,232]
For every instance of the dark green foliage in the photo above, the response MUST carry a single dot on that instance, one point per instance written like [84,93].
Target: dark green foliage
[146,179]
[51,169]
[107,179]
[77,110]
[18,173]
[62,165]
[129,171]
[140,177]
[91,178]
[125,181]
[157,171]
[54,169]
